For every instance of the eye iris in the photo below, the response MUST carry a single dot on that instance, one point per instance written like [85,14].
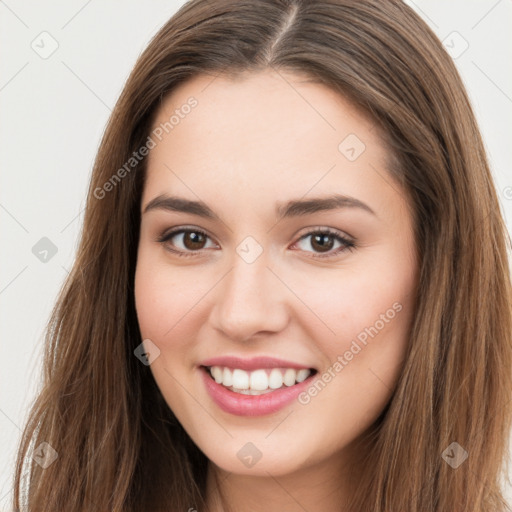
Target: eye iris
[323,242]
[194,238]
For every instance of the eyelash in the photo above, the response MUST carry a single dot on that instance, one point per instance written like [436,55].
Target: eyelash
[349,245]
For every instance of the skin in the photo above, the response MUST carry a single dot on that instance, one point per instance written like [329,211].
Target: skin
[251,142]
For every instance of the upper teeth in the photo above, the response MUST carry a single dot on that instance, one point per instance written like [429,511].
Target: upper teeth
[258,380]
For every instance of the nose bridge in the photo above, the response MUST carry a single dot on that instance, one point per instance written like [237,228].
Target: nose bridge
[249,300]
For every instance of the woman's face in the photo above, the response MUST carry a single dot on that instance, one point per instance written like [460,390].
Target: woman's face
[290,274]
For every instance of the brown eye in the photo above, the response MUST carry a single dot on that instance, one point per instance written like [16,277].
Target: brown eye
[322,242]
[325,243]
[185,242]
[194,240]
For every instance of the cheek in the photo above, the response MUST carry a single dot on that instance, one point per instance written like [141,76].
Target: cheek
[158,294]
[368,312]
[356,303]
[170,306]
[363,363]
[166,315]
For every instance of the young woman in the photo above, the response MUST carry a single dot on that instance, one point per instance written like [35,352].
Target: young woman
[292,289]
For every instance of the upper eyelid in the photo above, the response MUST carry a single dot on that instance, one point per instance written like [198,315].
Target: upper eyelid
[176,231]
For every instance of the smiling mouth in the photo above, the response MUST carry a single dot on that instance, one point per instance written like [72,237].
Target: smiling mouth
[259,381]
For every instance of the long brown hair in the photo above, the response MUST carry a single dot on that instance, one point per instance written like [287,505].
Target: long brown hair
[119,445]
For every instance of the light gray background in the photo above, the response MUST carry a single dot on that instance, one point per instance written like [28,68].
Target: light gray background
[54,111]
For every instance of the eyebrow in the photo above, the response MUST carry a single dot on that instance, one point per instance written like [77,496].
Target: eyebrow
[292,208]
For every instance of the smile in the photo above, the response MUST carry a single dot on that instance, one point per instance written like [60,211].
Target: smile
[255,393]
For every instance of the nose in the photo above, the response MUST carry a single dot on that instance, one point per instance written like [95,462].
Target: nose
[250,301]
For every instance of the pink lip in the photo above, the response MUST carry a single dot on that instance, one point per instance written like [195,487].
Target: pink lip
[252,405]
[254,363]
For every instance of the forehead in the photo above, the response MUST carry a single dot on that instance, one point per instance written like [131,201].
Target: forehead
[272,133]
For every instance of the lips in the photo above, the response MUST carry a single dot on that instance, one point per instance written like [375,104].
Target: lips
[252,387]
[254,363]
